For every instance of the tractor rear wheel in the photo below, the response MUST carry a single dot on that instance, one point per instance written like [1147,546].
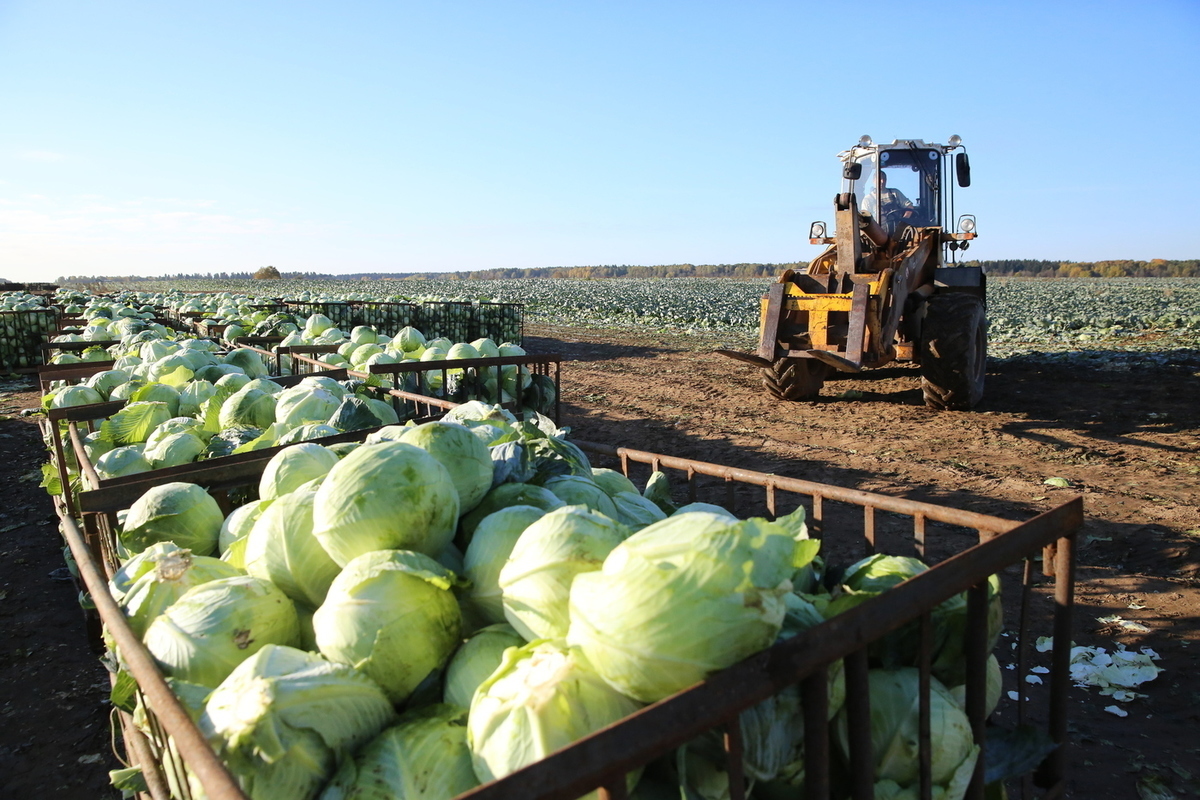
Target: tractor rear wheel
[795,378]
[953,351]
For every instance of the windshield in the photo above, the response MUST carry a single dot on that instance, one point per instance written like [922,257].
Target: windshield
[900,186]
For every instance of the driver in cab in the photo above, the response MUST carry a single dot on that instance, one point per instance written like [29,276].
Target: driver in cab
[889,207]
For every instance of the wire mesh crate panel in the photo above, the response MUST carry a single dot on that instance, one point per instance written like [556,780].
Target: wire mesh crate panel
[21,335]
[449,320]
[340,314]
[385,318]
[500,322]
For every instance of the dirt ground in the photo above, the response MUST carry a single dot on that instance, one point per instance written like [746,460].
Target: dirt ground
[1126,440]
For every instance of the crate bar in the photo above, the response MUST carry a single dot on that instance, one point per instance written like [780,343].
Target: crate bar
[1054,774]
[70,372]
[967,519]
[663,726]
[217,782]
[303,353]
[976,700]
[858,725]
[814,696]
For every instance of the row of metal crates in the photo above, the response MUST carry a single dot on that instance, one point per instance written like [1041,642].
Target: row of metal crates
[965,548]
[457,321]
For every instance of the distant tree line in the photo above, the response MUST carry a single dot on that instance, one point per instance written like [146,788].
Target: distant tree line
[1155,268]
[1025,268]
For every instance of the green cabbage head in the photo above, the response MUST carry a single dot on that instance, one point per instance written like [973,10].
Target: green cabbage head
[284,719]
[895,740]
[683,598]
[535,582]
[183,513]
[423,756]
[543,697]
[217,625]
[391,614]
[387,496]
[476,660]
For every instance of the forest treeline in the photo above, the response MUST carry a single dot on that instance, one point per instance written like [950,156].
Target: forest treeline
[1028,268]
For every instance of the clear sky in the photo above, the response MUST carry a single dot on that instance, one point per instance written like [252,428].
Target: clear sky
[162,137]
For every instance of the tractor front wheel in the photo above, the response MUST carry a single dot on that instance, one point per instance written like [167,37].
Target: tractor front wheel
[953,351]
[795,378]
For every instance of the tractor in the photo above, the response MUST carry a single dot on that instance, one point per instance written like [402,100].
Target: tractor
[887,287]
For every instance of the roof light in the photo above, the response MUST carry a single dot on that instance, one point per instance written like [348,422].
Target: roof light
[865,141]
[955,140]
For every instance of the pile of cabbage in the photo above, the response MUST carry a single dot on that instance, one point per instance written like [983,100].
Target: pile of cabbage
[446,603]
[363,347]
[184,402]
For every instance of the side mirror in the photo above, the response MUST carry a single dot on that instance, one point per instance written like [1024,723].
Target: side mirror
[852,171]
[962,166]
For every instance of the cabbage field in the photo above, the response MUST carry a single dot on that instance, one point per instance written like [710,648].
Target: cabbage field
[1061,315]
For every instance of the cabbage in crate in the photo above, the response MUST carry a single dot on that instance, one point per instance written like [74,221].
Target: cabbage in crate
[683,598]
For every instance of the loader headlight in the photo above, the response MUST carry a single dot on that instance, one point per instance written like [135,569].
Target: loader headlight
[966,224]
[866,141]
[955,140]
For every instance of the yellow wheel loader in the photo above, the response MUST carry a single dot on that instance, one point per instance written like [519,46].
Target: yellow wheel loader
[886,288]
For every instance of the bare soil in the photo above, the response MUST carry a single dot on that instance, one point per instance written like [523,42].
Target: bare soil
[1127,441]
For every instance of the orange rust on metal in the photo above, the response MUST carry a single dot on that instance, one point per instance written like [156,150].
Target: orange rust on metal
[217,782]
[869,528]
[919,533]
[616,791]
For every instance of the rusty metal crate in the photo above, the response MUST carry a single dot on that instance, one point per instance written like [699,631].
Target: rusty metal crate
[602,760]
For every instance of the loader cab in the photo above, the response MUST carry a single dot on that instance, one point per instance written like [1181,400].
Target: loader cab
[899,185]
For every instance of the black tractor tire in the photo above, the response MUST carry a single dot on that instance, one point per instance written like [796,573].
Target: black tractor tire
[953,351]
[795,378]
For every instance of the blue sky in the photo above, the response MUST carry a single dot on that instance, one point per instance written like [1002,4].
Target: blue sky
[149,137]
